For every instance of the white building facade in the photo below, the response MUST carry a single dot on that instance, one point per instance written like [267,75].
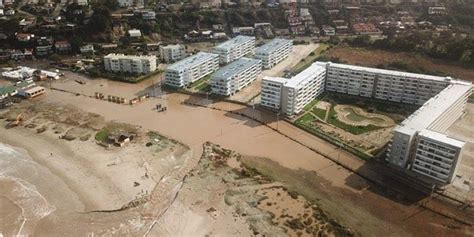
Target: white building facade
[235,76]
[235,48]
[296,92]
[274,52]
[419,143]
[395,86]
[172,53]
[130,63]
[191,69]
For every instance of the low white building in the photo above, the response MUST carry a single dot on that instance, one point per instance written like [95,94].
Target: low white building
[191,69]
[130,63]
[274,52]
[172,52]
[235,76]
[235,48]
[22,73]
[296,92]
[134,33]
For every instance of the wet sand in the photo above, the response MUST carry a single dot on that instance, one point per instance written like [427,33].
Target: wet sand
[195,125]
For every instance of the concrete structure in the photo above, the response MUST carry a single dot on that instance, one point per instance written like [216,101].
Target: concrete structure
[172,53]
[294,93]
[235,48]
[191,69]
[419,144]
[130,63]
[395,86]
[32,92]
[274,52]
[235,76]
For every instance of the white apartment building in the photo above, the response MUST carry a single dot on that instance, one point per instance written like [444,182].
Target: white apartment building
[296,92]
[274,52]
[270,96]
[418,143]
[130,63]
[235,48]
[172,53]
[395,86]
[191,69]
[235,76]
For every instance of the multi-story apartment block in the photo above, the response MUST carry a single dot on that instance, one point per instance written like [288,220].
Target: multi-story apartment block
[235,48]
[130,63]
[191,69]
[271,92]
[274,52]
[296,92]
[235,76]
[172,53]
[419,144]
[404,87]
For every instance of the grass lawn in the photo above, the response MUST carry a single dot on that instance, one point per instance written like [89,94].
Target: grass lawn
[102,135]
[306,119]
[306,123]
[332,119]
[306,62]
[310,105]
[198,83]
[321,113]
[203,87]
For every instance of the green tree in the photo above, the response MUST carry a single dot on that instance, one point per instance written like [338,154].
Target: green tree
[100,20]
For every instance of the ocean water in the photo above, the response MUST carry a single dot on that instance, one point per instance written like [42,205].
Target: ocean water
[22,205]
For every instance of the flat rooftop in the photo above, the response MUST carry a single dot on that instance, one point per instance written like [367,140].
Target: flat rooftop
[235,67]
[272,45]
[123,56]
[434,108]
[280,80]
[388,72]
[315,68]
[191,61]
[234,42]
[441,137]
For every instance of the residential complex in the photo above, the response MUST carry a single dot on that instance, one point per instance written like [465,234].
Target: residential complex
[404,87]
[172,53]
[191,69]
[419,143]
[274,52]
[235,48]
[235,76]
[291,95]
[130,63]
